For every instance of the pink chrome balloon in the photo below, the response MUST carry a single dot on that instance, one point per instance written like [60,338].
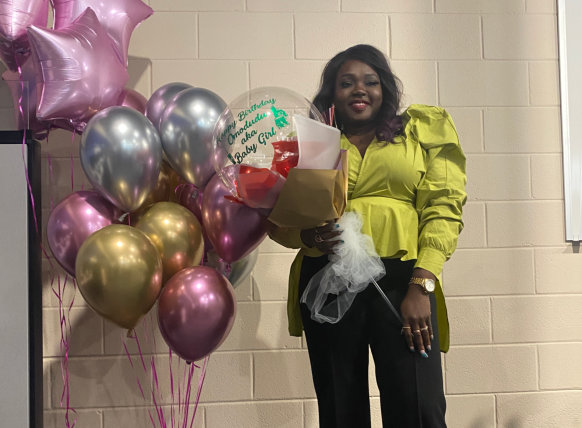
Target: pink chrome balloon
[133,99]
[119,17]
[81,72]
[196,310]
[233,228]
[15,17]
[73,220]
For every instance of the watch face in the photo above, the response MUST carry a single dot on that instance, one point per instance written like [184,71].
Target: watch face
[429,285]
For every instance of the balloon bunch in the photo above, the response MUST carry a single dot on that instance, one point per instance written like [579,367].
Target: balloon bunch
[157,227]
[60,77]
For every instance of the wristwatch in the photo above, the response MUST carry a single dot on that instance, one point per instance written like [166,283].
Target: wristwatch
[427,284]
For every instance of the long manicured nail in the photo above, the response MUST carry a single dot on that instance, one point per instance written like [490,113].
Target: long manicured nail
[431,336]
[336,225]
[411,349]
[429,348]
[424,354]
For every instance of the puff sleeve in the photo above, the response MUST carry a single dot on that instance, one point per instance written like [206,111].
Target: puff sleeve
[441,192]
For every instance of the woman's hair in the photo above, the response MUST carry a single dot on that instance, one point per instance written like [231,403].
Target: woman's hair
[389,122]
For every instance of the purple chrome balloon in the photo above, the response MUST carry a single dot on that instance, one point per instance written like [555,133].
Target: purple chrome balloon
[119,17]
[81,72]
[132,99]
[233,228]
[196,310]
[15,17]
[160,98]
[72,221]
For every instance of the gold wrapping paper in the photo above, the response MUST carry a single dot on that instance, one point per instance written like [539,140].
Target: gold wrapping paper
[311,197]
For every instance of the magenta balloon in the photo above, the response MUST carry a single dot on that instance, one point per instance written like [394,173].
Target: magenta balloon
[119,17]
[196,310]
[133,99]
[81,72]
[73,220]
[233,228]
[190,196]
[15,17]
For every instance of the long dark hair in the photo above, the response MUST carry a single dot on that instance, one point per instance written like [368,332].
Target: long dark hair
[389,122]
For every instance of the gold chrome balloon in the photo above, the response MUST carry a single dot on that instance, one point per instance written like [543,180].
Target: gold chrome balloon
[119,273]
[177,235]
[168,180]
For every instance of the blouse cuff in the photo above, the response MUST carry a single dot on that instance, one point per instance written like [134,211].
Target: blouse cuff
[431,259]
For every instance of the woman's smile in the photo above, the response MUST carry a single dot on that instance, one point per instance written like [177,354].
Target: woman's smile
[358,95]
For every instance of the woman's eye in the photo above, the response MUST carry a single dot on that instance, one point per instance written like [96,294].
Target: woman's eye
[345,84]
[372,83]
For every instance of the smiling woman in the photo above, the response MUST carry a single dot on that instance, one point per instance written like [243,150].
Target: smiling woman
[406,179]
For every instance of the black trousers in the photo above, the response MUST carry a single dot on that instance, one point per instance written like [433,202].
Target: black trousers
[411,387]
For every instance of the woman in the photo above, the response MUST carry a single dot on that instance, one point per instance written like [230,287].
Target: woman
[406,179]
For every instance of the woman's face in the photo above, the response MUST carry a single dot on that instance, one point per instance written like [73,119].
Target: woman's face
[358,94]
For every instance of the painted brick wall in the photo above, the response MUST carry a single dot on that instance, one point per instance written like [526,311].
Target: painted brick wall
[513,290]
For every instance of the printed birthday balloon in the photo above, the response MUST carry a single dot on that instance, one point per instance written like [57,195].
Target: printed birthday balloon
[252,126]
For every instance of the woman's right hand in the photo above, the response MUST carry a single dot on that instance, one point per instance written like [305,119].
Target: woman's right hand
[322,237]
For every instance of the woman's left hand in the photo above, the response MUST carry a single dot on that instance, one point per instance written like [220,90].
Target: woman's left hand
[415,310]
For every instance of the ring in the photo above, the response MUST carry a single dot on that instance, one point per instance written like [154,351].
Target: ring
[424,328]
[318,239]
[404,327]
[416,332]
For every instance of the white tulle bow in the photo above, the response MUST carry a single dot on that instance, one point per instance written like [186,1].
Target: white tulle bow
[355,265]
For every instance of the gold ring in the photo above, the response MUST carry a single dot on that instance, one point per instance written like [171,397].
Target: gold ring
[424,328]
[416,332]
[405,326]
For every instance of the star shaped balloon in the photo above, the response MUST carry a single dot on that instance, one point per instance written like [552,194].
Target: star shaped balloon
[79,68]
[119,17]
[15,16]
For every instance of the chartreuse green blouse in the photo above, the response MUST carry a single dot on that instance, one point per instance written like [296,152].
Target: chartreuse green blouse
[410,193]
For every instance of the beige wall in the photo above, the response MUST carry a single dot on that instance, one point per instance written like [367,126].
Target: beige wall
[513,286]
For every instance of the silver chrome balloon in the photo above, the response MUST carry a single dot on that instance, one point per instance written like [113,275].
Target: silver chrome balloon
[121,155]
[186,132]
[236,272]
[159,100]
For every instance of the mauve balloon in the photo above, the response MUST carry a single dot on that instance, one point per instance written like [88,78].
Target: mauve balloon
[72,221]
[160,98]
[196,310]
[119,17]
[133,99]
[81,71]
[233,228]
[15,17]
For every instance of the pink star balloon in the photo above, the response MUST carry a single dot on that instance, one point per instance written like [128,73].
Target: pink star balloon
[15,16]
[119,17]
[81,73]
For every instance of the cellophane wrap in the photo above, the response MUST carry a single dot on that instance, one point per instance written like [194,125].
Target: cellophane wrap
[354,265]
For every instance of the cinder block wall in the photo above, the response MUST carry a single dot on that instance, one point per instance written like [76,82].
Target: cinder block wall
[513,286]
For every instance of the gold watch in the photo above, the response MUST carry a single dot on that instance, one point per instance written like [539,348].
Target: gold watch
[427,284]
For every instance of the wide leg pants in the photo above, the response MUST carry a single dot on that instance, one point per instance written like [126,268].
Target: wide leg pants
[411,387]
